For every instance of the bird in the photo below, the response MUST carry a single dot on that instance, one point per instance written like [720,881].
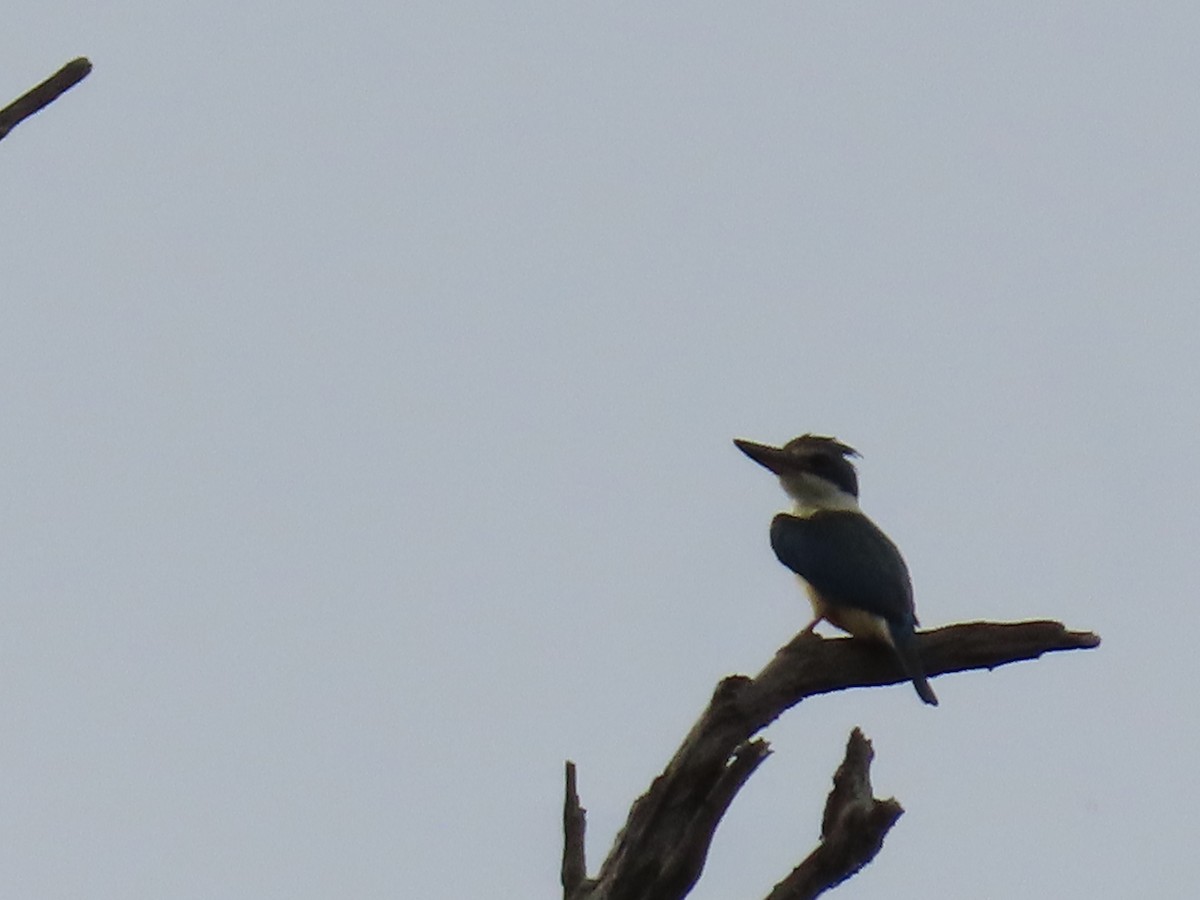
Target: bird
[853,573]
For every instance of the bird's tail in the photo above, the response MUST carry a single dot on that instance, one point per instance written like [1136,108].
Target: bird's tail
[904,641]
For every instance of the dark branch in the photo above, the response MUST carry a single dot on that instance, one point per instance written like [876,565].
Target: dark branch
[682,869]
[574,861]
[660,853]
[43,95]
[852,829]
[809,664]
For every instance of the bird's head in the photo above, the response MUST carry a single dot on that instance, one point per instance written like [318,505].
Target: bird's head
[815,471]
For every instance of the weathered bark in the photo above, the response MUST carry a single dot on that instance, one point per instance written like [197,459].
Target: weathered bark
[660,852]
[852,829]
[43,95]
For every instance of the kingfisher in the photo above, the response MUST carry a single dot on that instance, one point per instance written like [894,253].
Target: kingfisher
[853,574]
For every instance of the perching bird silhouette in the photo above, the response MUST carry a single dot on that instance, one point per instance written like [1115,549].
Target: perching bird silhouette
[854,575]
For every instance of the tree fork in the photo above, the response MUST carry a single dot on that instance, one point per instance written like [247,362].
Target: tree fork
[660,852]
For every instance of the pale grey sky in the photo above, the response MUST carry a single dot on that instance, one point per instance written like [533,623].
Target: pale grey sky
[367,380]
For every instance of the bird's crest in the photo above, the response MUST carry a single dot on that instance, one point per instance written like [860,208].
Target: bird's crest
[816,443]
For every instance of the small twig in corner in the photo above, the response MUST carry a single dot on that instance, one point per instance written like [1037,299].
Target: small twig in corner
[43,95]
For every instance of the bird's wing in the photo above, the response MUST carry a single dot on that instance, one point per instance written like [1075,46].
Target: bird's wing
[848,561]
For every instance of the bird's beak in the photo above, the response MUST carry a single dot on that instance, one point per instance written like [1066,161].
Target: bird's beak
[767,456]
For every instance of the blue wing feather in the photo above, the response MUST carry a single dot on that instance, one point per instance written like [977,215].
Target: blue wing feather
[848,560]
[851,563]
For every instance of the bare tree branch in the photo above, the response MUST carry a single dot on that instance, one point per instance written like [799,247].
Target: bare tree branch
[682,869]
[660,853]
[852,829]
[810,665]
[574,861]
[43,95]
